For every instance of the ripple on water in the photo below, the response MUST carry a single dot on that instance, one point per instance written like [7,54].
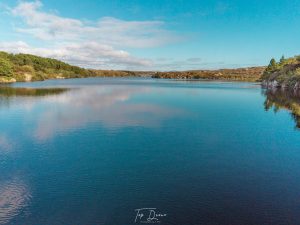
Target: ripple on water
[14,198]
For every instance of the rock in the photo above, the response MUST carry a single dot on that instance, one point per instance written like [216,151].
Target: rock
[27,77]
[297,86]
[7,80]
[270,84]
[284,86]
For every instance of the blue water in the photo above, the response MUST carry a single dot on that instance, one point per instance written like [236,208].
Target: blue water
[198,152]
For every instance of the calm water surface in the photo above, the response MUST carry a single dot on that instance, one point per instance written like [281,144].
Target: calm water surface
[91,151]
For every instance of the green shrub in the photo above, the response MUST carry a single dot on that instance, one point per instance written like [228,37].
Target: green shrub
[6,68]
[24,69]
[4,55]
[297,72]
[39,76]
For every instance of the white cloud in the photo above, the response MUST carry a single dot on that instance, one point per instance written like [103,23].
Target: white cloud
[107,30]
[94,44]
[89,54]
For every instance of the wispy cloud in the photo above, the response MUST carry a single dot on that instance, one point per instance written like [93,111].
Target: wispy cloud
[86,54]
[94,44]
[106,30]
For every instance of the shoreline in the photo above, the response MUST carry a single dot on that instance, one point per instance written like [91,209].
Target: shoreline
[142,77]
[252,74]
[27,68]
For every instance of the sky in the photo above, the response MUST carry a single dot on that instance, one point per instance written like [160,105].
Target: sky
[152,34]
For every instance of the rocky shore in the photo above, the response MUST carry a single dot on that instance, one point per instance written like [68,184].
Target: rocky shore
[274,84]
[284,75]
[7,80]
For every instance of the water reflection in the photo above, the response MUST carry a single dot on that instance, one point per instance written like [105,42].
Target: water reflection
[5,144]
[288,100]
[112,106]
[14,198]
[9,94]
[7,91]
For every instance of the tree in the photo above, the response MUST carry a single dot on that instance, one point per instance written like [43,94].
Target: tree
[6,68]
[272,65]
[4,55]
[282,60]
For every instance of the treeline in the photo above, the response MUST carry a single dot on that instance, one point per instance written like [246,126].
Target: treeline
[121,73]
[25,67]
[241,74]
[284,74]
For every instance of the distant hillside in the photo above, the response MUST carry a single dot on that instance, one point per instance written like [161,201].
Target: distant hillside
[241,74]
[284,74]
[121,73]
[25,67]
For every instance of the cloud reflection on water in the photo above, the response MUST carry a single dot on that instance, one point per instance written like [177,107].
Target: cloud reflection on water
[6,144]
[110,106]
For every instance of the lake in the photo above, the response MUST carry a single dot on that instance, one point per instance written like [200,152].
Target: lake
[121,151]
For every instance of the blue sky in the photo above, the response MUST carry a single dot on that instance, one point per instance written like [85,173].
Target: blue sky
[153,34]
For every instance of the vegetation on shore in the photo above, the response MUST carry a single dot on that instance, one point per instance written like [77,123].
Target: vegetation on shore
[284,74]
[25,67]
[240,74]
[121,73]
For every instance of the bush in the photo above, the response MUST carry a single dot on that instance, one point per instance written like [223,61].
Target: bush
[6,68]
[297,72]
[39,76]
[24,69]
[4,55]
